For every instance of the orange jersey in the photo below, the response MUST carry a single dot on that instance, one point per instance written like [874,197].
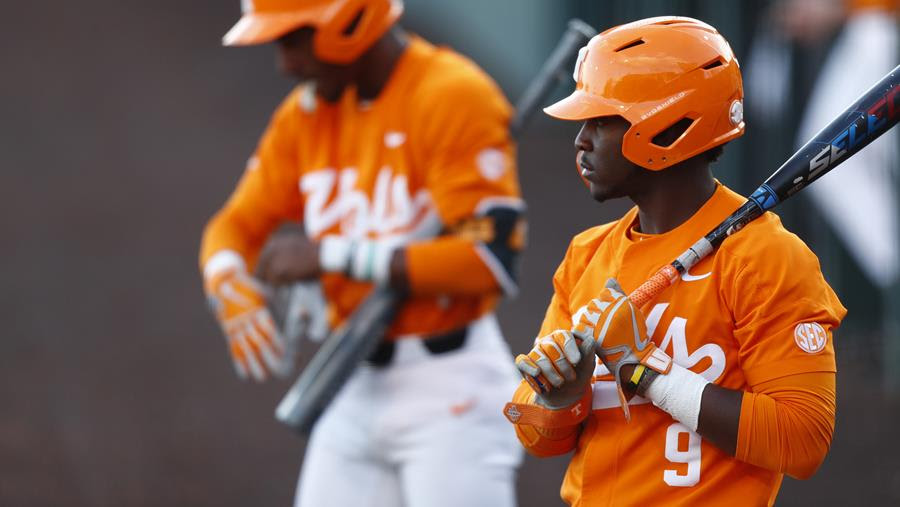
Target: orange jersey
[430,151]
[755,310]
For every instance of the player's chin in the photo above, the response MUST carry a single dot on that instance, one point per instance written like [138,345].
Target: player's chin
[290,71]
[601,193]
[329,90]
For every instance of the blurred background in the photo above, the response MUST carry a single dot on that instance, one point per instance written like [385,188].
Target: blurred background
[124,125]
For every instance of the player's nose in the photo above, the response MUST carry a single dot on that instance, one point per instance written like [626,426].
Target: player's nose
[583,139]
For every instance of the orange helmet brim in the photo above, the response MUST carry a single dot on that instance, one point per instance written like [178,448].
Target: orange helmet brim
[260,28]
[582,106]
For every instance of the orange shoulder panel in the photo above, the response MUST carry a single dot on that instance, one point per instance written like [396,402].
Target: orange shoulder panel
[783,309]
[461,136]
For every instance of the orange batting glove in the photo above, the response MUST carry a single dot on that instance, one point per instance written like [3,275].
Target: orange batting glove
[239,304]
[558,368]
[620,331]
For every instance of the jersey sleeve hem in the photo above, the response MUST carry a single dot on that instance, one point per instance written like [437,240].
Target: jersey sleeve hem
[777,369]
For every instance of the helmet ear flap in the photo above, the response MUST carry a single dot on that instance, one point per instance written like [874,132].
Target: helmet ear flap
[352,27]
[673,133]
[668,141]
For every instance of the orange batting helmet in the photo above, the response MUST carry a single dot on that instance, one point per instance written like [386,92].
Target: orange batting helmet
[656,73]
[344,28]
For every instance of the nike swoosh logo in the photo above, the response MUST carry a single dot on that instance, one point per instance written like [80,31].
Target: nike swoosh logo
[461,408]
[688,277]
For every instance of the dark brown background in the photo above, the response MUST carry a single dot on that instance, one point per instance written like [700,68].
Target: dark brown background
[124,126]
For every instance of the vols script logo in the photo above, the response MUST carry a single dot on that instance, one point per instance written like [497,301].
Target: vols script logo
[674,341]
[810,337]
[391,209]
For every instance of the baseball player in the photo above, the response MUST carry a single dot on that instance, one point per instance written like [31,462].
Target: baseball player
[710,393]
[396,157]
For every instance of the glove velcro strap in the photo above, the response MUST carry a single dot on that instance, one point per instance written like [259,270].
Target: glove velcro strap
[654,358]
[535,415]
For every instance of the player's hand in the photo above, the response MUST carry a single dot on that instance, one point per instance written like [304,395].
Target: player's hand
[288,257]
[620,332]
[239,304]
[558,368]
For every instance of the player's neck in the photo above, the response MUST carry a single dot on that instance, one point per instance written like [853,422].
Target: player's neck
[672,196]
[379,62]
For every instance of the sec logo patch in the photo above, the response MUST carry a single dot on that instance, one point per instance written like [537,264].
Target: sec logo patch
[810,337]
[492,163]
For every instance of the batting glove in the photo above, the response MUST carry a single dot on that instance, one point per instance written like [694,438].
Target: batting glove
[239,304]
[558,368]
[620,333]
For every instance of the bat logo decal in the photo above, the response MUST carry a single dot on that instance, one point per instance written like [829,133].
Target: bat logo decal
[857,133]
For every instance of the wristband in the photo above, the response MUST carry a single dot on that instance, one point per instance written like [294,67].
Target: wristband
[367,260]
[641,379]
[646,379]
[221,261]
[334,254]
[679,394]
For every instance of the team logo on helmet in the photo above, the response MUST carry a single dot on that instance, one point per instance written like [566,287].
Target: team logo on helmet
[582,54]
[736,113]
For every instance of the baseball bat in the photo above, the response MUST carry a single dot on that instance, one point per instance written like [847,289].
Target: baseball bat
[871,115]
[356,339]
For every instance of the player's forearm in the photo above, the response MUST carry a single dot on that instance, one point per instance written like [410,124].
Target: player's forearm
[476,257]
[787,423]
[445,265]
[786,429]
[454,265]
[443,278]
[720,416]
[784,426]
[227,231]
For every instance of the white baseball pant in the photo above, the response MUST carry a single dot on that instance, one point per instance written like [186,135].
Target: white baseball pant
[427,430]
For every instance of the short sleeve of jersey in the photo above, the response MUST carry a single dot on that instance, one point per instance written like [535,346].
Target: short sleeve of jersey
[461,128]
[783,309]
